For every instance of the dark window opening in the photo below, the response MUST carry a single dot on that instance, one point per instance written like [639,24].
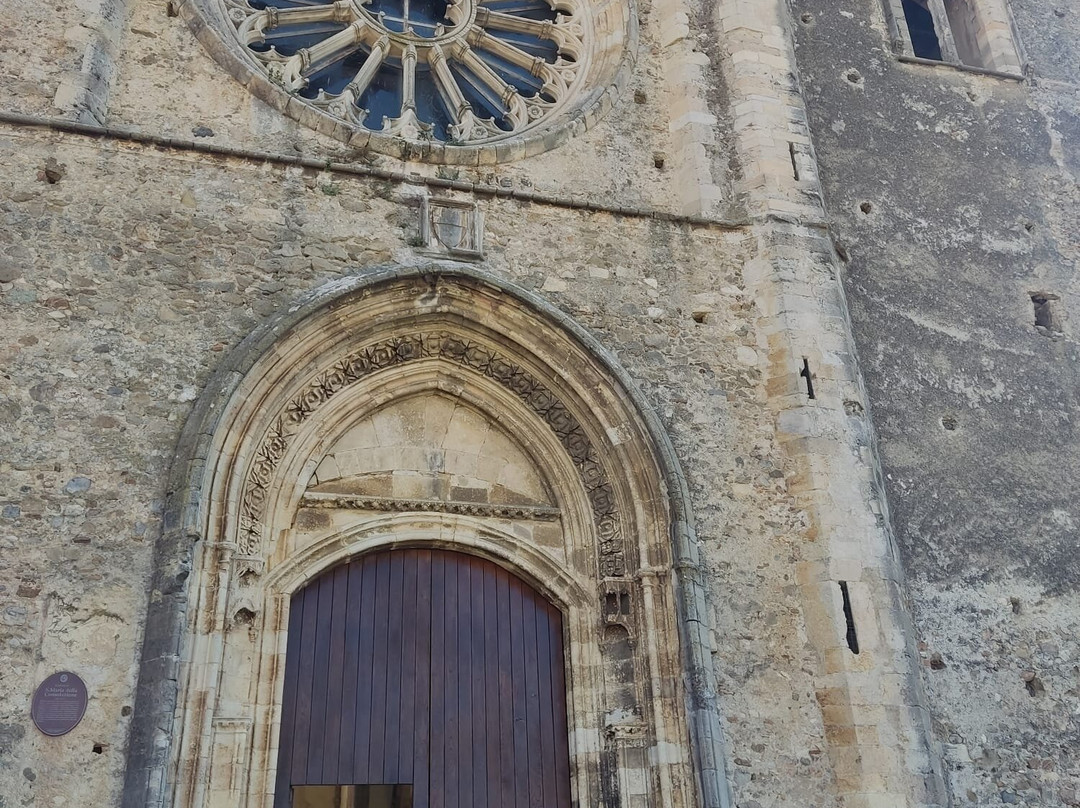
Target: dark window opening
[806,374]
[359,796]
[920,23]
[852,637]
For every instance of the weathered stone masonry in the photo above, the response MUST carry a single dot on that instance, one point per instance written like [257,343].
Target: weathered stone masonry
[164,226]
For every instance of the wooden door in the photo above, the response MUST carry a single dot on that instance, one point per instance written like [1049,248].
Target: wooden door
[430,669]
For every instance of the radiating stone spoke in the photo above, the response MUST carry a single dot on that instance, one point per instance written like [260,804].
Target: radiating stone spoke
[507,94]
[408,74]
[566,37]
[251,31]
[370,67]
[447,85]
[554,85]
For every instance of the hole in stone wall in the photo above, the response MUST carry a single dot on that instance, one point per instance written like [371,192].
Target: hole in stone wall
[852,637]
[1047,313]
[806,374]
[98,748]
[640,97]
[807,18]
[247,577]
[948,423]
[171,9]
[1033,684]
[244,617]
[700,316]
[853,76]
[52,172]
[659,158]
[611,603]
[794,161]
[866,207]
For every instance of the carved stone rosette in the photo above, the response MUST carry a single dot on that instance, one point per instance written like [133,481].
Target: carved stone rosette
[463,72]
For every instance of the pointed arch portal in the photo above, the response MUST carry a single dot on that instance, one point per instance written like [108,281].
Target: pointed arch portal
[393,425]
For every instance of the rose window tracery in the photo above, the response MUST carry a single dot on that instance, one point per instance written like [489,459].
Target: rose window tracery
[457,71]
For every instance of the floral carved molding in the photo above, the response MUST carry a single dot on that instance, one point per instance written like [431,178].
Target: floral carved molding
[400,350]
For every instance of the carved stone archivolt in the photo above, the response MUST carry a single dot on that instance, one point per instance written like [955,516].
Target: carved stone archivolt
[397,386]
[406,348]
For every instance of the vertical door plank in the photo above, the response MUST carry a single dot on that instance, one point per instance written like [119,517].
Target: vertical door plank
[492,745]
[287,732]
[521,716]
[465,711]
[350,668]
[437,677]
[319,681]
[422,662]
[406,721]
[558,686]
[332,726]
[366,651]
[479,570]
[506,694]
[451,671]
[304,684]
[546,751]
[395,640]
[377,744]
[532,697]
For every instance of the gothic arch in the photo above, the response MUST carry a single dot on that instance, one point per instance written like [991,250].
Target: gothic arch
[337,429]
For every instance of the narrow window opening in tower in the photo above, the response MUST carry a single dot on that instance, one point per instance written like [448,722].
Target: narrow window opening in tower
[794,160]
[806,374]
[852,636]
[920,23]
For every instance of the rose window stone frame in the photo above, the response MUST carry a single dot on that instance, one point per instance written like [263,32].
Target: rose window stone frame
[490,81]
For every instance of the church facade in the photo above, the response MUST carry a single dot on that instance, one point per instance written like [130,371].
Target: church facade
[513,402]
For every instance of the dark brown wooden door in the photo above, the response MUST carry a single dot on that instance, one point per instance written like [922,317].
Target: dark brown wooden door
[430,668]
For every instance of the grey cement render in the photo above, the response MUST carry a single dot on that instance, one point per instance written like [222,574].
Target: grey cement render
[953,197]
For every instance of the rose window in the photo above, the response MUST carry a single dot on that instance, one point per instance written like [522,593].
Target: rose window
[456,71]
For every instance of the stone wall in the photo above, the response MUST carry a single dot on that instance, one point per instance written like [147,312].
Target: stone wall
[132,275]
[954,199]
[684,230]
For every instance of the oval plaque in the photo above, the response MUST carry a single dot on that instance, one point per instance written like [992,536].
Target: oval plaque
[59,703]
